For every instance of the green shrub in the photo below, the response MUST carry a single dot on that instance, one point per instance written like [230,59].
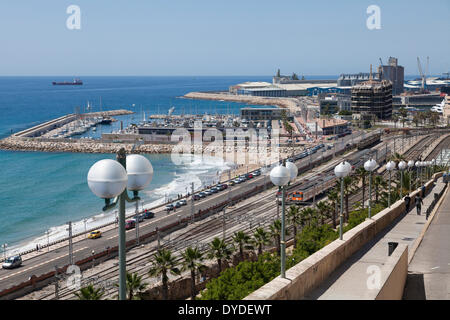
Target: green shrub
[238,282]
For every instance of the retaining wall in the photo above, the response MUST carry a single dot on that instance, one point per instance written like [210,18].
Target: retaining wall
[312,271]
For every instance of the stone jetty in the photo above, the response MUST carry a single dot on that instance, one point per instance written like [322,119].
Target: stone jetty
[288,103]
[92,146]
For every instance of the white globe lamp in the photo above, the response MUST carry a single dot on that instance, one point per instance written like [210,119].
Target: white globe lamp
[140,172]
[107,178]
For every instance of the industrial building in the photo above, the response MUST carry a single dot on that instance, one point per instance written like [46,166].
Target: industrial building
[391,72]
[350,80]
[394,73]
[263,113]
[373,98]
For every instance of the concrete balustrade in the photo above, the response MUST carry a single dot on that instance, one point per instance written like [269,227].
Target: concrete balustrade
[312,271]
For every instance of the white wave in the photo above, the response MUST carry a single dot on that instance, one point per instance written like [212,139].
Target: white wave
[202,171]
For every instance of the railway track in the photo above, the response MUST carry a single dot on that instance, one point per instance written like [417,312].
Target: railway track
[263,212]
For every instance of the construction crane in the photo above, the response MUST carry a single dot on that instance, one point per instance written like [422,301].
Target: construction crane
[421,75]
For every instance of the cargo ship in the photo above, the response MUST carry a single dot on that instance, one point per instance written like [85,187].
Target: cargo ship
[75,82]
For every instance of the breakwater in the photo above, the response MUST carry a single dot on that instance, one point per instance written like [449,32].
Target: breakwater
[288,103]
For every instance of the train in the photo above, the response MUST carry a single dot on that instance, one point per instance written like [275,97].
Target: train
[369,142]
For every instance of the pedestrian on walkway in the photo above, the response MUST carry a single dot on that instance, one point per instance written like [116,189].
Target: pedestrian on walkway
[423,191]
[407,202]
[419,203]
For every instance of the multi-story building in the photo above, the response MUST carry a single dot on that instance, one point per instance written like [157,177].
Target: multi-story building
[264,113]
[394,73]
[333,103]
[373,98]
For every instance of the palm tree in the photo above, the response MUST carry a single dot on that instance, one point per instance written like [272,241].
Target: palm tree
[323,209]
[90,293]
[295,219]
[362,173]
[192,261]
[275,233]
[397,157]
[308,214]
[260,239]
[416,119]
[134,285]
[333,196]
[243,241]
[395,119]
[349,182]
[219,250]
[164,262]
[378,182]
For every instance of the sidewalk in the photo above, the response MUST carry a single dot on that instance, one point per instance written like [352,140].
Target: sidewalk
[349,281]
[429,271]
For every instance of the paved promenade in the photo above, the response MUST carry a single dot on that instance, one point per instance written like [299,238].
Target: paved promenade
[349,281]
[429,271]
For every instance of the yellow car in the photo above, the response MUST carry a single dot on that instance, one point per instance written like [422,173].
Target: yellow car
[95,234]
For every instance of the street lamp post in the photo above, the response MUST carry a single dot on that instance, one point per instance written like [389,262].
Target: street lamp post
[341,171]
[370,165]
[411,166]
[109,179]
[418,177]
[280,176]
[389,167]
[401,167]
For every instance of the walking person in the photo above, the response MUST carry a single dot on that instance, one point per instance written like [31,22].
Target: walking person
[419,203]
[407,199]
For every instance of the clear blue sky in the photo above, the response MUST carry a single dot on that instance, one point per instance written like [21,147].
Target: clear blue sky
[210,37]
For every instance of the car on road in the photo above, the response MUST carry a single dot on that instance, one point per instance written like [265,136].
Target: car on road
[177,204]
[215,189]
[170,207]
[249,176]
[130,224]
[183,202]
[202,194]
[12,262]
[257,173]
[232,183]
[139,217]
[196,197]
[208,192]
[148,214]
[95,234]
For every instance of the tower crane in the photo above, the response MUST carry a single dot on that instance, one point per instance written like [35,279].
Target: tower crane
[421,75]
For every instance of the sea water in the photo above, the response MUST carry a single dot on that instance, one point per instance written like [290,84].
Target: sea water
[40,192]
